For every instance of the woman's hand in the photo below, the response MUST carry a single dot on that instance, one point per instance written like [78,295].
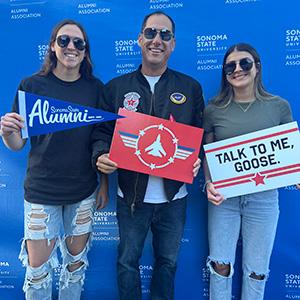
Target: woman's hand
[213,195]
[10,123]
[102,197]
[102,194]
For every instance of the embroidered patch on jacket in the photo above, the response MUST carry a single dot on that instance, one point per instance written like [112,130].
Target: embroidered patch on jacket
[131,101]
[177,98]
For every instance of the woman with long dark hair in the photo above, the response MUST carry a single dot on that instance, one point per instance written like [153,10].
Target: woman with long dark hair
[60,184]
[241,106]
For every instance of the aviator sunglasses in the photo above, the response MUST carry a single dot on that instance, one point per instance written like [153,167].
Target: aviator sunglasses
[246,64]
[165,34]
[64,40]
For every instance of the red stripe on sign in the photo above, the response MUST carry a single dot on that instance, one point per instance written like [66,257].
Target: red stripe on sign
[283,173]
[280,169]
[234,178]
[252,140]
[231,183]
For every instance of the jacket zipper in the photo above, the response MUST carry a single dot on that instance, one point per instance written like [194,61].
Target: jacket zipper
[152,100]
[132,206]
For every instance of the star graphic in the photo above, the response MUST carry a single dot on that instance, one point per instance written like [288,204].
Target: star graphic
[131,102]
[175,140]
[137,152]
[258,179]
[142,132]
[171,159]
[160,127]
[152,166]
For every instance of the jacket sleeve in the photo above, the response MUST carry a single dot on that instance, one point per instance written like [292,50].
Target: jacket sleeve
[102,132]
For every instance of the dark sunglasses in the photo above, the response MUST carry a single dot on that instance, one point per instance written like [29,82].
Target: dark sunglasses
[64,40]
[165,34]
[246,64]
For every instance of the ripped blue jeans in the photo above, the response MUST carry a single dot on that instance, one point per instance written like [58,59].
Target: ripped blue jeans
[255,217]
[46,222]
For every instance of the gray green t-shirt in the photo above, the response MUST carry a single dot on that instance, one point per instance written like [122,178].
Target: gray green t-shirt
[233,120]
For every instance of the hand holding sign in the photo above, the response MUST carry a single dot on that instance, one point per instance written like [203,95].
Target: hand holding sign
[105,165]
[213,195]
[10,130]
[10,123]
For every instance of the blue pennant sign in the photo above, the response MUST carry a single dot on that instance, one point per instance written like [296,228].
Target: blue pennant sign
[44,115]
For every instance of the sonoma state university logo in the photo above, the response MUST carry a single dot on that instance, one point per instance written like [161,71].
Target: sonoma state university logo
[292,286]
[240,1]
[105,226]
[127,51]
[22,9]
[92,8]
[163,4]
[292,46]
[155,155]
[210,49]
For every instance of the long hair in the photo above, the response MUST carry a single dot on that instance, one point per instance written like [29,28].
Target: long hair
[225,95]
[50,61]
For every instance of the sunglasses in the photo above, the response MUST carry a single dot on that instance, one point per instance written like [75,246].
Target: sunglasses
[165,34]
[246,64]
[64,40]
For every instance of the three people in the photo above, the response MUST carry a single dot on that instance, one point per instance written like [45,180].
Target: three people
[60,184]
[147,202]
[241,106]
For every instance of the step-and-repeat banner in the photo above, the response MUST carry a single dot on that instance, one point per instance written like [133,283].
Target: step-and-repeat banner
[205,29]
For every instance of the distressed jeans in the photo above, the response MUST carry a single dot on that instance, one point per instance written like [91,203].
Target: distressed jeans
[46,222]
[255,217]
[166,221]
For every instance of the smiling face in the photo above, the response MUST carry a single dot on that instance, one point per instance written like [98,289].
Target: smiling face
[241,79]
[156,52]
[68,58]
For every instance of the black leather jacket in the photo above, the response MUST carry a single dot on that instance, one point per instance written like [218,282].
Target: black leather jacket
[161,104]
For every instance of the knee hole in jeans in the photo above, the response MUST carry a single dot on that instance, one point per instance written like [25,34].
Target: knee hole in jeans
[73,266]
[256,276]
[222,269]
[38,279]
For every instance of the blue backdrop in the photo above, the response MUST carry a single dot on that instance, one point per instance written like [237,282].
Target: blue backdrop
[205,29]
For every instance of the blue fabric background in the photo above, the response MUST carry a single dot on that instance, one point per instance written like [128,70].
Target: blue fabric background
[205,28]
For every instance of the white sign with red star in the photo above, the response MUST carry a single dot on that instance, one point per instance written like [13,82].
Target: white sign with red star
[256,161]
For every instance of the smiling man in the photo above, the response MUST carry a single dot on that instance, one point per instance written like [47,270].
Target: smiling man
[146,202]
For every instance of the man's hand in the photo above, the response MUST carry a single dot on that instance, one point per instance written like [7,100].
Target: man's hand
[196,167]
[105,165]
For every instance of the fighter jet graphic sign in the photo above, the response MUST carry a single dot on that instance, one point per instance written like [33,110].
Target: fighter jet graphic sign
[155,146]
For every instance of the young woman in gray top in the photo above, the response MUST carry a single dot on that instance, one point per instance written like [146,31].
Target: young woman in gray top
[242,106]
